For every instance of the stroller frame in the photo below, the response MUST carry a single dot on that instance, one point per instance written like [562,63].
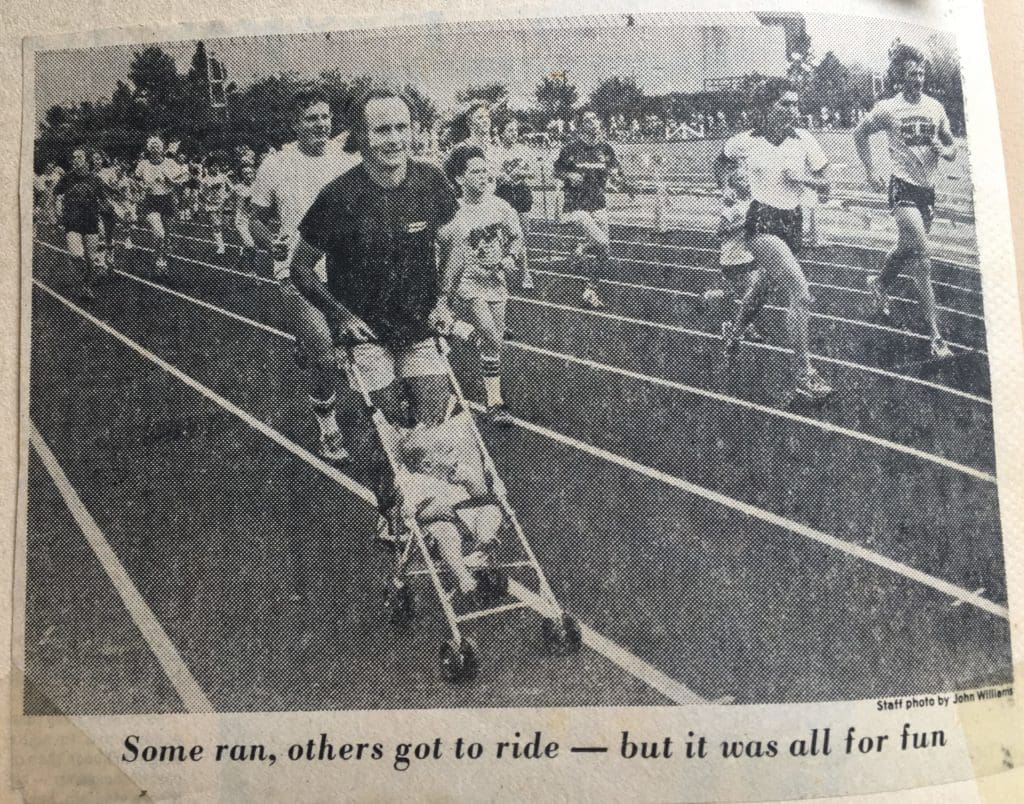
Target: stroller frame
[459,656]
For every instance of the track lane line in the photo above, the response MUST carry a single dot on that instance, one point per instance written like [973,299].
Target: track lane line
[656,325]
[188,689]
[957,593]
[665,383]
[616,654]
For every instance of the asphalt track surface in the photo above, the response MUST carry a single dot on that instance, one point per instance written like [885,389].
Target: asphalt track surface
[717,539]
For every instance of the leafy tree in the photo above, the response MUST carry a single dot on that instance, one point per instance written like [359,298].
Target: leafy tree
[615,96]
[492,93]
[943,80]
[556,96]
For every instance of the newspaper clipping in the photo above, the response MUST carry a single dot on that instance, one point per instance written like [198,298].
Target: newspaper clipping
[562,403]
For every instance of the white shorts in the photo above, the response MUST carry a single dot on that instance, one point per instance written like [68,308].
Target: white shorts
[381,366]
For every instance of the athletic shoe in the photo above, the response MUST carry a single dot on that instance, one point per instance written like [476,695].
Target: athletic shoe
[86,294]
[732,340]
[160,268]
[332,447]
[591,299]
[527,281]
[500,415]
[109,259]
[753,334]
[128,245]
[811,386]
[879,297]
[940,349]
[220,248]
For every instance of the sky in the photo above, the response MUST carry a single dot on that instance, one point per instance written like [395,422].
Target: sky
[664,54]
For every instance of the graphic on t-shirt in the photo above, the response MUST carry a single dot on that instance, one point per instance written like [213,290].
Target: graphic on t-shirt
[917,131]
[489,245]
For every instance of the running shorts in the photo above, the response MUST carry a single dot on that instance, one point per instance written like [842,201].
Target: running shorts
[786,224]
[161,204]
[904,194]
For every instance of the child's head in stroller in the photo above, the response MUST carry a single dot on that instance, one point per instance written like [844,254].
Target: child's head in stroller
[449,492]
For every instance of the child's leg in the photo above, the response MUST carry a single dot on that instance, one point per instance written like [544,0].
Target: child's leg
[449,542]
[217,222]
[491,335]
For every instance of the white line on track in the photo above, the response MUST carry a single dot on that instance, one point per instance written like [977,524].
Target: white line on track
[667,327]
[957,593]
[634,665]
[188,689]
[678,386]
[946,588]
[823,316]
[967,268]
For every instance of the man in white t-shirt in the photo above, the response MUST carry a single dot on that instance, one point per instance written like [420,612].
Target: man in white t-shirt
[159,176]
[919,136]
[287,182]
[780,161]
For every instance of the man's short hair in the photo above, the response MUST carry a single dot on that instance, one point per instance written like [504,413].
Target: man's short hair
[900,55]
[773,89]
[458,159]
[306,97]
[356,116]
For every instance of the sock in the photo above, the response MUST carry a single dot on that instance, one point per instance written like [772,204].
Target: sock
[490,367]
[323,409]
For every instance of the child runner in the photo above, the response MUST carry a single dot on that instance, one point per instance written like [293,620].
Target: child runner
[485,244]
[213,195]
[159,176]
[79,195]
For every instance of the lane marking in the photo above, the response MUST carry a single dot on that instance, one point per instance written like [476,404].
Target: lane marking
[965,267]
[665,383]
[957,593]
[617,655]
[188,689]
[823,316]
[667,327]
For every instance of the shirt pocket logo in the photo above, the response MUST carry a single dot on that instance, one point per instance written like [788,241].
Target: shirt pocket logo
[415,227]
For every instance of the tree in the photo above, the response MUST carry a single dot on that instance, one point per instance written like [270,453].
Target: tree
[423,109]
[556,96]
[492,93]
[943,80]
[615,96]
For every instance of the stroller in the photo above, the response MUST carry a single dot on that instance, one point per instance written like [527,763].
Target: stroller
[417,553]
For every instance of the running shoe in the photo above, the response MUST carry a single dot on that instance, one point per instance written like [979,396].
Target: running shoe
[527,281]
[220,248]
[813,387]
[109,259]
[500,415]
[86,294]
[732,340]
[332,447]
[128,245]
[161,268]
[753,334]
[879,297]
[591,299]
[940,349]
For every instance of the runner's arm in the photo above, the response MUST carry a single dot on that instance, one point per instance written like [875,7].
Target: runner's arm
[871,124]
[259,226]
[303,275]
[945,145]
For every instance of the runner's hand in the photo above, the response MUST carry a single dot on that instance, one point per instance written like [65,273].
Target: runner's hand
[441,318]
[876,183]
[281,247]
[574,177]
[350,327]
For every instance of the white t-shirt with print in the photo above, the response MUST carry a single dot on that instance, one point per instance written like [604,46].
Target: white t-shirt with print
[160,178]
[911,128]
[765,163]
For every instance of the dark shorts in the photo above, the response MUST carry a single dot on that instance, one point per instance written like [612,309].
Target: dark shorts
[162,204]
[518,195]
[904,194]
[786,224]
[82,222]
[732,273]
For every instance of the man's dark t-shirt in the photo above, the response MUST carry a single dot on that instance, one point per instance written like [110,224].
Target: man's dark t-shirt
[593,161]
[379,244]
[82,197]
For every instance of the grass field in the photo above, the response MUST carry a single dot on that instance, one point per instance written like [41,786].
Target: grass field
[717,540]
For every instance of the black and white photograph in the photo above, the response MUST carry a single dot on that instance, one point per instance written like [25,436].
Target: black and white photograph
[586,361]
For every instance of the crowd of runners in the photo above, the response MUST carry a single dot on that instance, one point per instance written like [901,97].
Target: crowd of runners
[377,251]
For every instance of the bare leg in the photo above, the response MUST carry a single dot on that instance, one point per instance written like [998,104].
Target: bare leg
[781,267]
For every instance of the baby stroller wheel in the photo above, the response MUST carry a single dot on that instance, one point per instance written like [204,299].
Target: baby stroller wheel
[400,602]
[491,584]
[562,636]
[460,663]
